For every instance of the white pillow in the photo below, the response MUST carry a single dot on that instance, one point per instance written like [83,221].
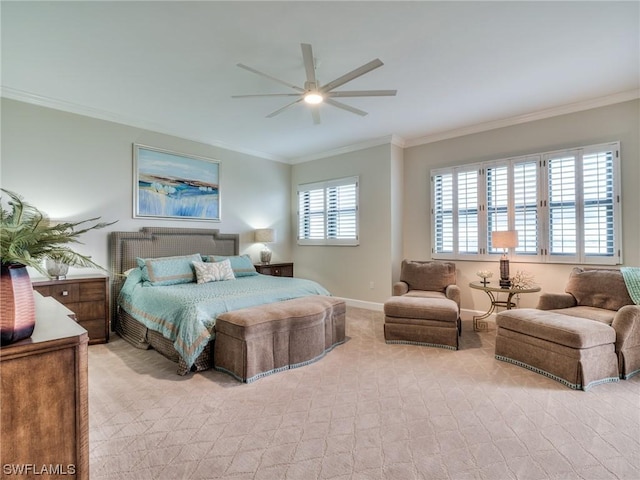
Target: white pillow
[213,272]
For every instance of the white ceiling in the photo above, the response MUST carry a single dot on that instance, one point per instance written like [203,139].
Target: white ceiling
[458,66]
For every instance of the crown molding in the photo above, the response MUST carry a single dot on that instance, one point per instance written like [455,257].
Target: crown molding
[70,107]
[529,117]
[374,142]
[20,95]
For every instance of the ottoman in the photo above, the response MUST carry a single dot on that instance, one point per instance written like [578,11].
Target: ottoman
[422,320]
[577,352]
[254,342]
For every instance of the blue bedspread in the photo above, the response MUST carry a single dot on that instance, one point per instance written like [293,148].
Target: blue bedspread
[186,313]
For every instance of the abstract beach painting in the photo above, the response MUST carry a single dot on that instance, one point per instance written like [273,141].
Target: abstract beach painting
[175,186]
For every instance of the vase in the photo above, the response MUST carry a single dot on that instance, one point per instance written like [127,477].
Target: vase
[17,310]
[265,256]
[57,269]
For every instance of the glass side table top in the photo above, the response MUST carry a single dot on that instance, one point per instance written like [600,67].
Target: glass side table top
[492,291]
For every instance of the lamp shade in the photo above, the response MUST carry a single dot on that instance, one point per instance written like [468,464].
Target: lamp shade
[265,235]
[504,239]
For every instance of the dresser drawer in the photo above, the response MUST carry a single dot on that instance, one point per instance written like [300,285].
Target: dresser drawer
[284,271]
[96,328]
[65,293]
[87,297]
[88,310]
[275,269]
[92,291]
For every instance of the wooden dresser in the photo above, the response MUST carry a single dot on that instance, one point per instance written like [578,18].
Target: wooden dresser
[87,296]
[44,420]
[275,269]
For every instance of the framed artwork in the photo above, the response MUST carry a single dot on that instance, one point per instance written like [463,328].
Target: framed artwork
[174,185]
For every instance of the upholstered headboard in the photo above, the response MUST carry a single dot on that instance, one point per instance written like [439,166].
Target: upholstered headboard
[152,242]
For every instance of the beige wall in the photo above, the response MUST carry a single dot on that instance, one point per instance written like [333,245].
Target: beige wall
[616,122]
[75,167]
[348,271]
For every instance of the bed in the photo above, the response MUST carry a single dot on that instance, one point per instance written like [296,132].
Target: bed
[185,335]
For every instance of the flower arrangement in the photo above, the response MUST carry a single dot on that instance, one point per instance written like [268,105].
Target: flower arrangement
[522,280]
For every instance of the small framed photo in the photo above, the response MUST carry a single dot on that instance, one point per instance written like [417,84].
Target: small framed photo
[174,185]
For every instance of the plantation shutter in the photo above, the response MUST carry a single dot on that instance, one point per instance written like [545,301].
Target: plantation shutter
[565,206]
[342,209]
[328,212]
[525,205]
[562,185]
[311,218]
[442,213]
[467,196]
[497,188]
[599,202]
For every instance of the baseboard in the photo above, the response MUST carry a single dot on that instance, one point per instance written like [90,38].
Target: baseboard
[467,314]
[378,307]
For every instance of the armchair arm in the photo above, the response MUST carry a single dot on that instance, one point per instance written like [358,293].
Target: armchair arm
[554,301]
[400,288]
[453,293]
[626,323]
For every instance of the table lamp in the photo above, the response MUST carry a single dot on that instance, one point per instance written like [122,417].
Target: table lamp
[265,236]
[504,239]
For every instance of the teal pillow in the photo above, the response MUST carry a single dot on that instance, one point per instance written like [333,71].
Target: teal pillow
[241,265]
[168,270]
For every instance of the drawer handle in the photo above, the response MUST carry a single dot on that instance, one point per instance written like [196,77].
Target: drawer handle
[65,293]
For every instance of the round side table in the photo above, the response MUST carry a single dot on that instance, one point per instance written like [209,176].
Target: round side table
[478,320]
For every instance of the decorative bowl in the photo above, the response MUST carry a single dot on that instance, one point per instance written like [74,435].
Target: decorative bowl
[484,274]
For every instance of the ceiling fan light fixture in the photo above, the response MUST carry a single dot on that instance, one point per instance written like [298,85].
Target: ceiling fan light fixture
[313,98]
[313,94]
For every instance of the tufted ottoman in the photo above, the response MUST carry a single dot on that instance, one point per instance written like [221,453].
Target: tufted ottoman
[577,352]
[254,342]
[422,320]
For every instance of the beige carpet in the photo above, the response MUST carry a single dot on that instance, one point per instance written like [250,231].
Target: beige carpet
[365,411]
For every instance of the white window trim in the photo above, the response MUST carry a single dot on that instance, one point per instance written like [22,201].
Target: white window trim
[325,185]
[543,242]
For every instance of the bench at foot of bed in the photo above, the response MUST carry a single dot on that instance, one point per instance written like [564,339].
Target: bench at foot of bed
[258,341]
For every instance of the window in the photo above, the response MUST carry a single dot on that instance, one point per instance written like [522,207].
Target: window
[565,206]
[328,212]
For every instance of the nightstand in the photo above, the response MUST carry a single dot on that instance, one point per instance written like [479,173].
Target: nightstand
[87,296]
[275,269]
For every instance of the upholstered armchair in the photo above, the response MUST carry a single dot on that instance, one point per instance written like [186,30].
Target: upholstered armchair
[425,306]
[601,295]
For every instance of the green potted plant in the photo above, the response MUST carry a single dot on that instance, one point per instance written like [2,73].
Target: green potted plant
[27,237]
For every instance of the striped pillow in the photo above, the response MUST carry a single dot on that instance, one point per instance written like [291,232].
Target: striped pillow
[168,270]
[241,265]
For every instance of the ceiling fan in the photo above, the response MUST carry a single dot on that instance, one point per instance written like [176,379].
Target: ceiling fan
[314,93]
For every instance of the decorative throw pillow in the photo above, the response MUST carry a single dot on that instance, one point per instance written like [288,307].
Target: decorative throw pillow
[168,270]
[241,264]
[431,276]
[213,272]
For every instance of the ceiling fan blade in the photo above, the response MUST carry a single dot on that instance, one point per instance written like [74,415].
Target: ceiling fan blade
[282,109]
[348,108]
[309,64]
[257,72]
[315,113]
[347,77]
[267,95]
[363,93]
